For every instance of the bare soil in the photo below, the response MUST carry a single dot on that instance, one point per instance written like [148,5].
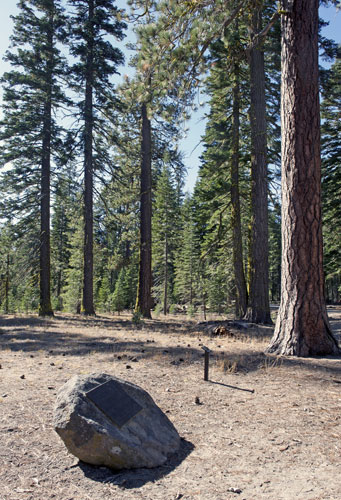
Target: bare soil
[261,428]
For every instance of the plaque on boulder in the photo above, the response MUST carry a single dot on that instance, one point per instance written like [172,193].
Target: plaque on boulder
[107,421]
[112,400]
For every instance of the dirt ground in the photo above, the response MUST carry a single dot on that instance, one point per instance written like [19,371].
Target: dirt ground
[265,428]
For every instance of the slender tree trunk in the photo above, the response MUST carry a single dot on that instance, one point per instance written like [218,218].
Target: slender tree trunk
[87,299]
[204,304]
[61,245]
[259,306]
[143,300]
[191,280]
[302,327]
[7,284]
[45,308]
[165,290]
[241,292]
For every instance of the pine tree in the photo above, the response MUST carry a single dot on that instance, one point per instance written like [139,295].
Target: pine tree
[164,226]
[32,94]
[187,257]
[144,300]
[116,213]
[119,298]
[224,156]
[259,306]
[302,327]
[187,31]
[6,262]
[72,289]
[123,296]
[65,204]
[331,179]
[92,21]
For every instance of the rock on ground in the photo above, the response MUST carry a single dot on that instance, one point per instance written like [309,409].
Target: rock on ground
[145,440]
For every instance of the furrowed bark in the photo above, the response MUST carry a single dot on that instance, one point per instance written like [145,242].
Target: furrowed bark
[302,327]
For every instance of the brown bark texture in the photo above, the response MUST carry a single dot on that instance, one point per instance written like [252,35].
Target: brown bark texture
[143,300]
[87,299]
[258,304]
[45,308]
[240,283]
[302,327]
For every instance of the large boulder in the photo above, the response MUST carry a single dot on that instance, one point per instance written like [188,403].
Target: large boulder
[106,421]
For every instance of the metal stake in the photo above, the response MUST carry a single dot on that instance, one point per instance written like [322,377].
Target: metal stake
[207,358]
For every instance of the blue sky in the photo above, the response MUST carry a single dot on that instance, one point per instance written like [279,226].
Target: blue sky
[191,144]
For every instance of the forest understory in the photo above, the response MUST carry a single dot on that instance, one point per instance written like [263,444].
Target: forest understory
[262,427]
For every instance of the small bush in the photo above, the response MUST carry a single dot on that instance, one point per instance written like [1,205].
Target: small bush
[190,311]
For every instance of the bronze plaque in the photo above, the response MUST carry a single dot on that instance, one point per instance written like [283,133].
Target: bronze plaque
[114,402]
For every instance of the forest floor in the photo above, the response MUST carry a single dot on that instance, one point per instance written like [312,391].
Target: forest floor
[265,428]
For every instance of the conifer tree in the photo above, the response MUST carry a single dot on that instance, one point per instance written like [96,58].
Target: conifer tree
[143,299]
[165,232]
[162,106]
[302,326]
[90,25]
[258,300]
[187,30]
[331,177]
[72,289]
[187,257]
[223,158]
[117,208]
[65,204]
[6,262]
[32,94]
[125,289]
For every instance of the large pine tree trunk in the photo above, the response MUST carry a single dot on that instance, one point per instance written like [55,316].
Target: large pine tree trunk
[241,292]
[259,306]
[45,308]
[87,299]
[143,300]
[302,327]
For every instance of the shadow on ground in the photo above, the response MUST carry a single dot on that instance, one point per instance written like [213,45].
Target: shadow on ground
[30,334]
[135,478]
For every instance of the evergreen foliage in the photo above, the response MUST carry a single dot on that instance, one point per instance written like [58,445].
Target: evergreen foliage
[165,226]
[186,266]
[30,134]
[65,205]
[221,185]
[199,262]
[331,178]
[72,290]
[90,24]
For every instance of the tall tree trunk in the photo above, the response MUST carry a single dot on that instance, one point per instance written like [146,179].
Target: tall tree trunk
[87,299]
[302,327]
[259,306]
[45,308]
[143,300]
[241,292]
[7,284]
[165,290]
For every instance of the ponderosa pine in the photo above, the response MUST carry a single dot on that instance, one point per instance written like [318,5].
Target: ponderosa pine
[302,326]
